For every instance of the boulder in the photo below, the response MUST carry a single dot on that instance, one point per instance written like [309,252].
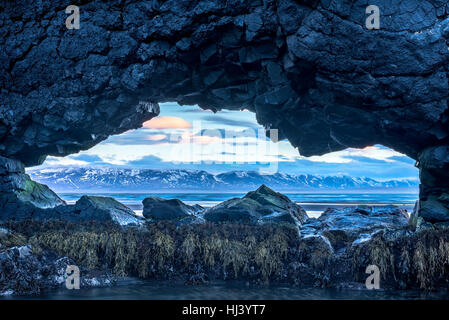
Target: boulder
[263,206]
[14,182]
[21,197]
[25,273]
[156,208]
[352,225]
[433,204]
[89,208]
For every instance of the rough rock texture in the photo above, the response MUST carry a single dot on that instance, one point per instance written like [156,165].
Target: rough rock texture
[19,195]
[31,200]
[433,206]
[89,208]
[263,206]
[23,272]
[17,186]
[336,248]
[333,251]
[156,208]
[308,68]
[343,227]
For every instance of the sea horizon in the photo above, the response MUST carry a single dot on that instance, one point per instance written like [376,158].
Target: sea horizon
[315,203]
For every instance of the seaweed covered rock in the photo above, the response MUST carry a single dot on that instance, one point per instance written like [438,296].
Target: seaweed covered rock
[263,206]
[335,249]
[24,272]
[156,208]
[350,225]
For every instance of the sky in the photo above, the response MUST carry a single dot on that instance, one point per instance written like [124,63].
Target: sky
[187,137]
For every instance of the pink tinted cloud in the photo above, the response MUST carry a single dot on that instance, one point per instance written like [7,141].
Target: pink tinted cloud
[167,123]
[157,137]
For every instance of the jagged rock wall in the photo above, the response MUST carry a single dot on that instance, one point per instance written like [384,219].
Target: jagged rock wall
[307,68]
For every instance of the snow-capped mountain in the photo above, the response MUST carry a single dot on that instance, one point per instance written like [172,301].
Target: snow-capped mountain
[135,180]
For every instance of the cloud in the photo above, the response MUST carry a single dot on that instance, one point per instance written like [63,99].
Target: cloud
[167,123]
[199,110]
[363,160]
[231,122]
[138,137]
[185,137]
[156,137]
[148,162]
[333,157]
[379,153]
[87,157]
[404,160]
[66,161]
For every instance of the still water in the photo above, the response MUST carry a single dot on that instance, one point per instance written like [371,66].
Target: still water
[158,290]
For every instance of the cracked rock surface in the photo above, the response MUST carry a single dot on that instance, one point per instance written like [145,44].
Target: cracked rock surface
[308,68]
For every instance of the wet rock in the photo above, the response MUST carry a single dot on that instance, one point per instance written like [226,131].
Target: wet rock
[89,208]
[336,248]
[352,225]
[21,197]
[15,184]
[23,272]
[433,204]
[263,206]
[156,208]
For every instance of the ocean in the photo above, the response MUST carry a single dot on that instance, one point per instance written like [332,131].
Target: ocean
[136,289]
[313,203]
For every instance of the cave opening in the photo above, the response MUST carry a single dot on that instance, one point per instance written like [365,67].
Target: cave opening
[190,153]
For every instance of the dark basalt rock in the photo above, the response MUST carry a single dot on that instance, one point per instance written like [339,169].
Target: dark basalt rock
[433,206]
[20,197]
[17,186]
[263,206]
[331,252]
[23,272]
[307,68]
[156,208]
[336,248]
[89,208]
[343,227]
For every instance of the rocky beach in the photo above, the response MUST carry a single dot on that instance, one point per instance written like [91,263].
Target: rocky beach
[262,237]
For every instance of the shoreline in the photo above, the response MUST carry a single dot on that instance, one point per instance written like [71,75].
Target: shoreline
[151,289]
[313,208]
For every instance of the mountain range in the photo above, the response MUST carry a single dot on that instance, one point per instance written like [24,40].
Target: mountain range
[77,179]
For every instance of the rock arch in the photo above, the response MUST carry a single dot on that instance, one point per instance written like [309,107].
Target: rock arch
[309,68]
